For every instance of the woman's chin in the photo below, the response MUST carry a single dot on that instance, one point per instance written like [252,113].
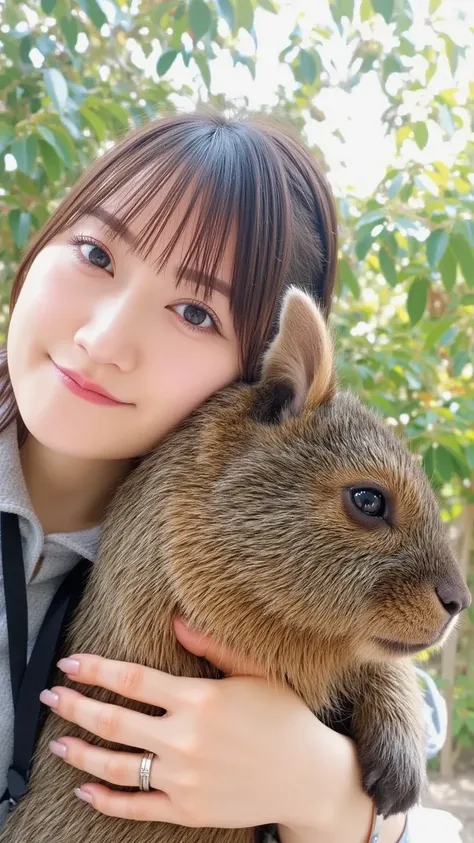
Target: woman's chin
[79,435]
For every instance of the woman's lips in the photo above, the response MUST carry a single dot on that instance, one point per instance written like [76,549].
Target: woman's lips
[91,392]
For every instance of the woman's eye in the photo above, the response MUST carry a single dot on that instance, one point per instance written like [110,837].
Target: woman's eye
[196,316]
[95,255]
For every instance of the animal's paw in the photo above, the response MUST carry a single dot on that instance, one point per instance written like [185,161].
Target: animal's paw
[393,773]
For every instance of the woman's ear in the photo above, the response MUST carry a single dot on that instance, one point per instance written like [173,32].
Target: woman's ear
[298,367]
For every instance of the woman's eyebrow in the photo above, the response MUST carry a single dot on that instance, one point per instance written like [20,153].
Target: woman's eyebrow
[189,274]
[212,283]
[114,224]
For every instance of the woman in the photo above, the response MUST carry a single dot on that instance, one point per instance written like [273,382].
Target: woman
[155,283]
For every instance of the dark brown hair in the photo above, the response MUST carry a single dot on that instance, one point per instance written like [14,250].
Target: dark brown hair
[250,175]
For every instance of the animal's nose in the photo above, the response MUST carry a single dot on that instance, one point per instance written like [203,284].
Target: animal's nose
[453,597]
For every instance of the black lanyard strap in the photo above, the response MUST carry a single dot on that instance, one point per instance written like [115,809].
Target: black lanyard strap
[36,674]
[14,585]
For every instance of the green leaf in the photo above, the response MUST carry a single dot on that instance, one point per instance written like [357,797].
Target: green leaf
[118,111]
[26,184]
[199,18]
[428,462]
[446,120]
[387,265]
[365,10]
[395,185]
[165,61]
[436,332]
[443,463]
[203,66]
[268,6]
[56,86]
[371,218]
[57,140]
[94,12]
[392,64]
[159,10]
[68,26]
[470,456]
[247,61]
[468,300]
[407,48]
[450,441]
[19,222]
[436,246]
[6,136]
[468,226]
[45,45]
[307,66]
[417,299]
[342,8]
[459,362]
[451,52]
[465,255]
[24,152]
[434,5]
[24,51]
[447,267]
[348,279]
[384,8]
[244,14]
[97,125]
[363,245]
[389,241]
[227,11]
[50,161]
[420,131]
[347,7]
[48,6]
[72,127]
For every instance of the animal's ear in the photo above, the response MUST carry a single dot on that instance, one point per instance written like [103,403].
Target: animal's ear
[298,367]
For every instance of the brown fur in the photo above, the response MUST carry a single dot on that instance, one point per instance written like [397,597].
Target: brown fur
[238,521]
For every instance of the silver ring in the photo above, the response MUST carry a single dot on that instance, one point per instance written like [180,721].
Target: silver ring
[145,770]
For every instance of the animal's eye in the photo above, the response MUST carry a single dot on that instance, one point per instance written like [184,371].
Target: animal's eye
[369,501]
[371,508]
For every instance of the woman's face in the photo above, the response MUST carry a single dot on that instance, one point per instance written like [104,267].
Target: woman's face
[91,310]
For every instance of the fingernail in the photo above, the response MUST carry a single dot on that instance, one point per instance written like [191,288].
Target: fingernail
[48,698]
[69,666]
[81,794]
[58,748]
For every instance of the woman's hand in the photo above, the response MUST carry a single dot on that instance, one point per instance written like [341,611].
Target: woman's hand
[234,752]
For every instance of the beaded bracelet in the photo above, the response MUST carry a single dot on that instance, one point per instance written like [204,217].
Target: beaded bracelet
[374,836]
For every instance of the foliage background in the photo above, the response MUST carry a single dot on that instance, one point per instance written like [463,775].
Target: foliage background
[76,74]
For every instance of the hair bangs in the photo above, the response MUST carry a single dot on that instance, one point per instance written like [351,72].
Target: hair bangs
[228,186]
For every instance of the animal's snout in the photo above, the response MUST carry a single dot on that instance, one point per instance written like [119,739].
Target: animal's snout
[454,597]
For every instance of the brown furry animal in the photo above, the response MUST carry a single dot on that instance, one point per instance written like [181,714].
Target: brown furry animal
[288,521]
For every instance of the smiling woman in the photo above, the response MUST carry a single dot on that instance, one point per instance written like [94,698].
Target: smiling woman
[152,342]
[176,246]
[156,282]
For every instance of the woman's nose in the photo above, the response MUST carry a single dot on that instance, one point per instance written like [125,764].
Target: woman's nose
[109,337]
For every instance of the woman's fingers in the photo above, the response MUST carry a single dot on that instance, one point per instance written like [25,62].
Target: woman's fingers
[112,766]
[144,807]
[109,722]
[132,681]
[123,769]
[205,646]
